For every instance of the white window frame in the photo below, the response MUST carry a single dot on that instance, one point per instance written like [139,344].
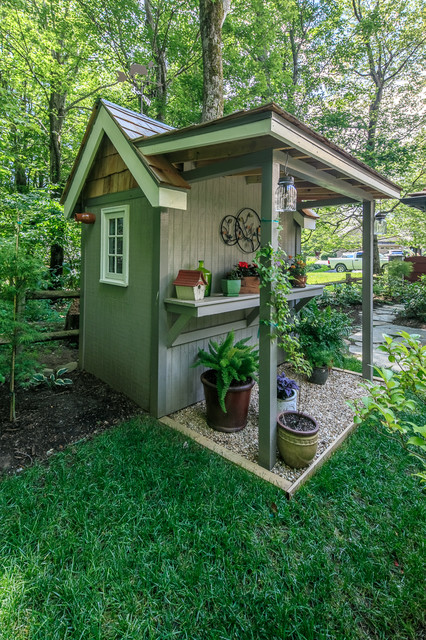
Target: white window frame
[107,277]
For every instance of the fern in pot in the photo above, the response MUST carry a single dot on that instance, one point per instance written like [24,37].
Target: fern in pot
[228,381]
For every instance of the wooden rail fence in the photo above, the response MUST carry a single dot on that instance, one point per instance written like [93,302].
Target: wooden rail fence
[48,295]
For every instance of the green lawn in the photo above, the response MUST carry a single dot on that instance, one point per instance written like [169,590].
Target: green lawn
[319,278]
[140,534]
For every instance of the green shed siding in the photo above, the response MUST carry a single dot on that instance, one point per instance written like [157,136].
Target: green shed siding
[194,235]
[116,321]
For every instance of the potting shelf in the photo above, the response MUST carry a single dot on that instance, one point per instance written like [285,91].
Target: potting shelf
[218,303]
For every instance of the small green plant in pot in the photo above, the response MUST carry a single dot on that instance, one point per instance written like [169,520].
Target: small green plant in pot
[231,283]
[228,382]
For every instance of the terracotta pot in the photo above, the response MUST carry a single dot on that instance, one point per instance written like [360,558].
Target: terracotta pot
[237,402]
[319,375]
[300,281]
[230,288]
[87,218]
[250,284]
[297,448]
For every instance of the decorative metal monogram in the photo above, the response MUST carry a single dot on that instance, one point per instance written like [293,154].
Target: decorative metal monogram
[242,229]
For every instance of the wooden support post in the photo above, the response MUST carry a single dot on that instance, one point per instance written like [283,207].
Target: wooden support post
[267,348]
[160,279]
[367,289]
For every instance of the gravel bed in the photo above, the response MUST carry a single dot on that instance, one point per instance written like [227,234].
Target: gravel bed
[326,403]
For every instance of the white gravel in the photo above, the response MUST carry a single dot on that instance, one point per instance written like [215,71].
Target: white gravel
[326,403]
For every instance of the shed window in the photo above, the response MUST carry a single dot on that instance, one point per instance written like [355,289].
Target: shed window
[115,245]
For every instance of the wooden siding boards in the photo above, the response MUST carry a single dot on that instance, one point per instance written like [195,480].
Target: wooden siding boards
[194,235]
[117,321]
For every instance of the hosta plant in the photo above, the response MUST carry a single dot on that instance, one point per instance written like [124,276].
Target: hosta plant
[53,379]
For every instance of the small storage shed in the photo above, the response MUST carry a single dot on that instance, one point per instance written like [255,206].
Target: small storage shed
[165,199]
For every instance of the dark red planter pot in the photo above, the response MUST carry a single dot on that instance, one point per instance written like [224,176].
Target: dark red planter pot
[237,401]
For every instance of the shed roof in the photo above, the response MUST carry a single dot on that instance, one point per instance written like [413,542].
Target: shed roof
[161,157]
[323,170]
[135,125]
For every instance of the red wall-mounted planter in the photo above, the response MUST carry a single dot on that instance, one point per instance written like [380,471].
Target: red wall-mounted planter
[86,218]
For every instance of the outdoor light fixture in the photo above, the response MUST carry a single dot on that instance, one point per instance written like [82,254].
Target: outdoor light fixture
[380,225]
[285,195]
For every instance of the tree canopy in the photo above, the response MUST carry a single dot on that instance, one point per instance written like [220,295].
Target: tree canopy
[352,69]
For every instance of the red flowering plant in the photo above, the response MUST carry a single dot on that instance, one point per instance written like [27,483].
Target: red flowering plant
[296,266]
[244,269]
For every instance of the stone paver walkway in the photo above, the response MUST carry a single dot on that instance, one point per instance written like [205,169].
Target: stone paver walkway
[382,324]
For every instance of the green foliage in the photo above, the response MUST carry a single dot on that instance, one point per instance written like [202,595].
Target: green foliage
[414,299]
[321,333]
[19,272]
[389,400]
[272,266]
[341,295]
[52,379]
[42,224]
[398,269]
[230,362]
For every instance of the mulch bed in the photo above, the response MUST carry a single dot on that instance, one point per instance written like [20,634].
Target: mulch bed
[47,420]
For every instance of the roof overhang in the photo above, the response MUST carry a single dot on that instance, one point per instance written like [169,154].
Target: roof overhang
[417,200]
[325,174]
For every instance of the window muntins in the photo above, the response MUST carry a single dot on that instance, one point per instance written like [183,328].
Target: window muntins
[115,245]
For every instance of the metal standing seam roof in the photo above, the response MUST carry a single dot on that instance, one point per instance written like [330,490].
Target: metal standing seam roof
[135,125]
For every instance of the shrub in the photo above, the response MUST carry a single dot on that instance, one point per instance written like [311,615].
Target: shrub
[321,334]
[415,300]
[388,400]
[341,295]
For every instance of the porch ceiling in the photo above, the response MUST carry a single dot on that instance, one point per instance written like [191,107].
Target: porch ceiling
[324,173]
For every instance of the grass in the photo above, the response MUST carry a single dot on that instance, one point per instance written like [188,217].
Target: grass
[319,278]
[142,534]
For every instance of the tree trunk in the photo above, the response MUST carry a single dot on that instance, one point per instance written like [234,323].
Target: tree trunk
[376,256]
[56,120]
[158,50]
[212,16]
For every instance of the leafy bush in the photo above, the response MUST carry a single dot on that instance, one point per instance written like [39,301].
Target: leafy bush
[321,334]
[388,400]
[317,267]
[415,300]
[341,295]
[231,363]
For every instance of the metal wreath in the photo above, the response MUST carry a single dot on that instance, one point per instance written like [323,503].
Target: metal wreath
[242,229]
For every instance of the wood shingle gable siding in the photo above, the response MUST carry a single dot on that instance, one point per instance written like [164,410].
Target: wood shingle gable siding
[109,173]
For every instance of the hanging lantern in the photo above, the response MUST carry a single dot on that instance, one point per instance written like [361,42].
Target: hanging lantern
[380,225]
[286,195]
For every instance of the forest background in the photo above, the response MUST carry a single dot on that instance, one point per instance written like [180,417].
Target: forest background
[354,70]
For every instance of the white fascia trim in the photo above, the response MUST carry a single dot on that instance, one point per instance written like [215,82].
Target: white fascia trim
[105,124]
[172,198]
[305,223]
[169,144]
[288,133]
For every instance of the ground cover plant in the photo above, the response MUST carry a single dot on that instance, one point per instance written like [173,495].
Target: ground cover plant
[140,533]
